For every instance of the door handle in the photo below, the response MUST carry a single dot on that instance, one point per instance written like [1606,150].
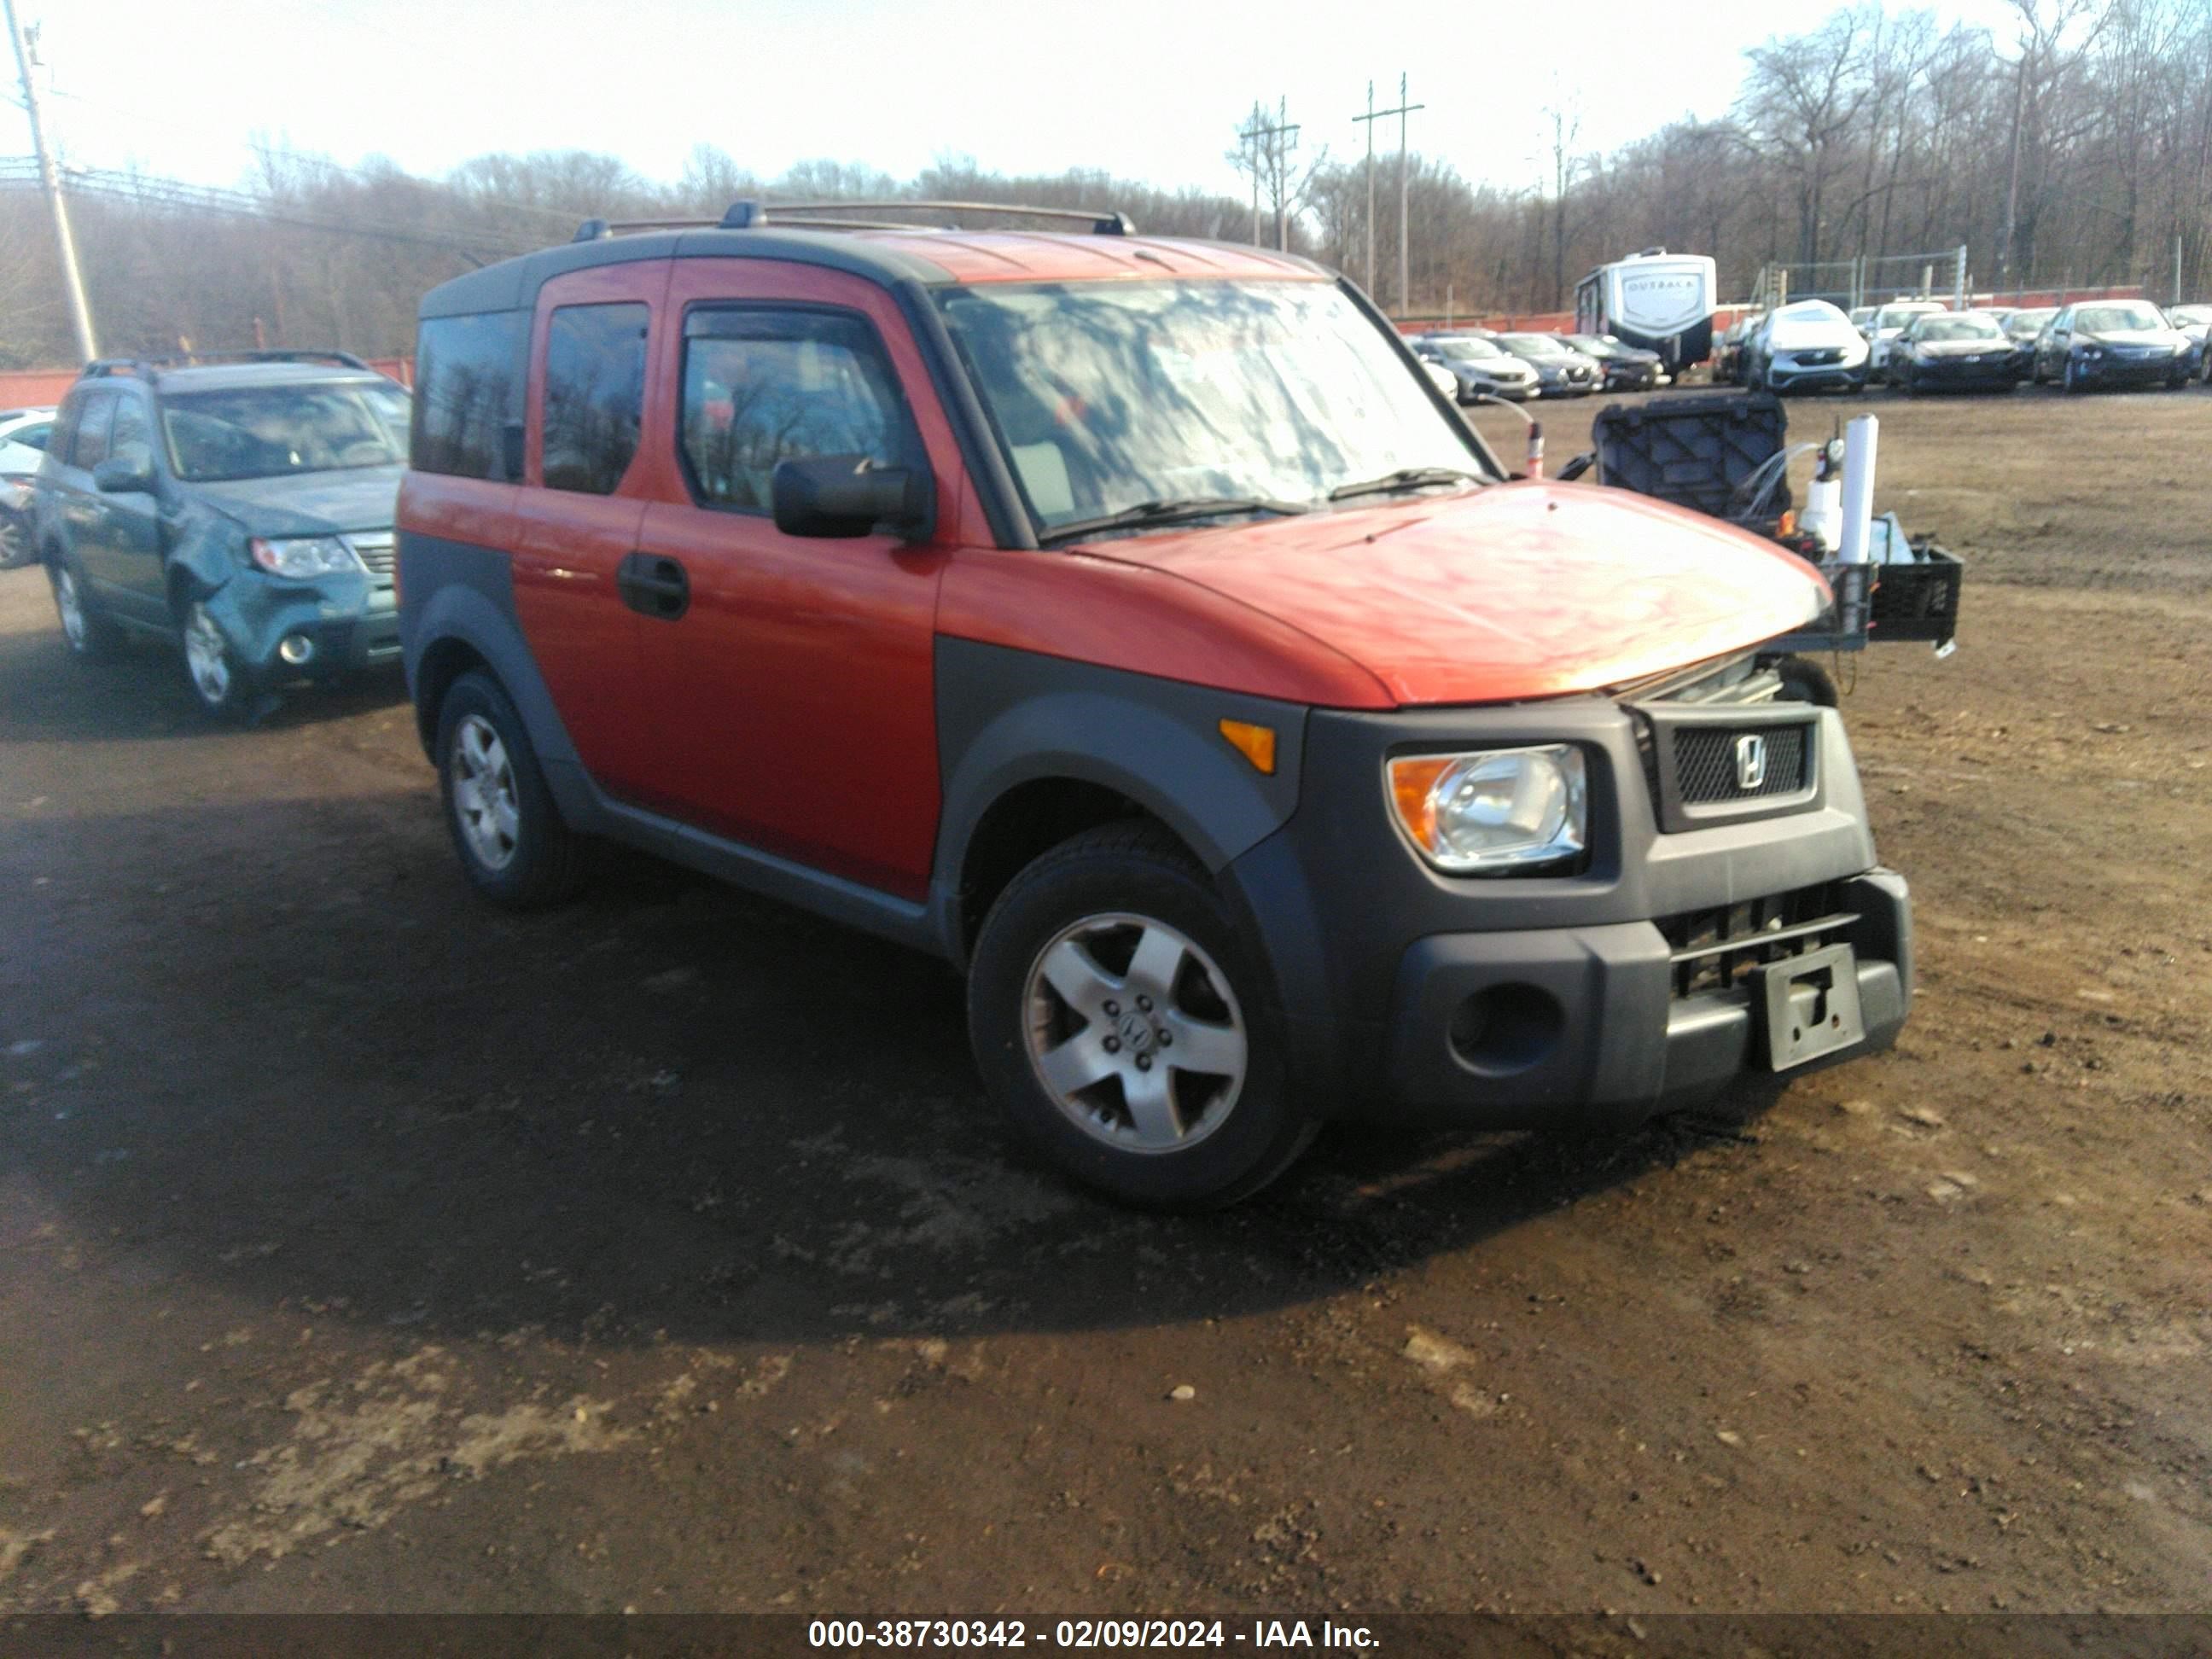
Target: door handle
[654,585]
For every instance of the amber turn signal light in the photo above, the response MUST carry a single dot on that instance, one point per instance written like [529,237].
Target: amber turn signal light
[1256,743]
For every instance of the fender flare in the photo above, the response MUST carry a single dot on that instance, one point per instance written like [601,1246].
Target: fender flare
[476,610]
[1154,743]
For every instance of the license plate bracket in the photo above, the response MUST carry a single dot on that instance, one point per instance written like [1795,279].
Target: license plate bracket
[1812,1005]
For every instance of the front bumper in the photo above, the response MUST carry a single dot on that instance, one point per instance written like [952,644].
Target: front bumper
[1534,1001]
[1942,373]
[351,622]
[2131,371]
[1790,377]
[1583,1025]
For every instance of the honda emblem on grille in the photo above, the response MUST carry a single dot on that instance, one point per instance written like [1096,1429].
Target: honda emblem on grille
[1750,761]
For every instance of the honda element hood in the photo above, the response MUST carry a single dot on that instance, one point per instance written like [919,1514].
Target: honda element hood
[1513,592]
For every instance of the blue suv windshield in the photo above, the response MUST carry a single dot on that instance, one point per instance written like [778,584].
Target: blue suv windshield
[269,431]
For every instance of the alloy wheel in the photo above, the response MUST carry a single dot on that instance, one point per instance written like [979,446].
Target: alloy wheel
[207,655]
[484,799]
[69,603]
[1134,1032]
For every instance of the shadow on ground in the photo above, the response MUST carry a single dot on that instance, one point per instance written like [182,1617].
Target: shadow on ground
[281,1048]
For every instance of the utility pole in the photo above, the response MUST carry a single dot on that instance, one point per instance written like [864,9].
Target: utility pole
[49,180]
[1277,160]
[1368,120]
[1374,114]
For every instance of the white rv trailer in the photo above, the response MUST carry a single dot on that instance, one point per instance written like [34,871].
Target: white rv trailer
[1660,300]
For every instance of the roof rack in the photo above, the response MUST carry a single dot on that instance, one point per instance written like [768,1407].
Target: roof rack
[750,214]
[143,367]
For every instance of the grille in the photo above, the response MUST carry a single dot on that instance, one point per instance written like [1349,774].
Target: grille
[1705,762]
[1814,359]
[1716,949]
[374,550]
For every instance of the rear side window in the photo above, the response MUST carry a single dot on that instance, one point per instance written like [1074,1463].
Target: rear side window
[93,422]
[761,387]
[594,395]
[468,386]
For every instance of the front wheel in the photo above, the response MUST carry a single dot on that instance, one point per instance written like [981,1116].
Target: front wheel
[1126,1028]
[514,846]
[2074,381]
[220,679]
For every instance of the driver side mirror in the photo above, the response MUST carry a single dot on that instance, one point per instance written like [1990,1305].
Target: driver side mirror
[128,471]
[849,495]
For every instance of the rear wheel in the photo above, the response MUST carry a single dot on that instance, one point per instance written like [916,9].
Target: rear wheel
[1126,1028]
[514,846]
[15,540]
[89,635]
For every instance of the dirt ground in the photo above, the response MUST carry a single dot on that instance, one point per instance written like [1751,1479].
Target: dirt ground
[362,1248]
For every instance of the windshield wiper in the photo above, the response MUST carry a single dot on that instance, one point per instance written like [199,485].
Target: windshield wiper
[1406,478]
[1173,510]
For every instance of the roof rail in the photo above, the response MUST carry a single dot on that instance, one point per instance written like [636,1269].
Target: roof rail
[106,368]
[840,215]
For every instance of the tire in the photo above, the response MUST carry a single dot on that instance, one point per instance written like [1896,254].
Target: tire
[2073,383]
[15,540]
[1121,918]
[1804,680]
[514,846]
[222,683]
[89,636]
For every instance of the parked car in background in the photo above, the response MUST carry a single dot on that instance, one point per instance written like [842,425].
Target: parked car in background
[1256,750]
[1808,345]
[1954,351]
[1886,323]
[2194,321]
[1479,366]
[1443,379]
[2111,342]
[1624,368]
[2022,328]
[1561,371]
[1728,350]
[238,505]
[1862,318]
[24,435]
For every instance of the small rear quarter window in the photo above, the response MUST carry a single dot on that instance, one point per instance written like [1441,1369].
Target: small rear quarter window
[468,386]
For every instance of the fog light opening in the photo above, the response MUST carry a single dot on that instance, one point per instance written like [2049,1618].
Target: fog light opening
[1504,1028]
[296,649]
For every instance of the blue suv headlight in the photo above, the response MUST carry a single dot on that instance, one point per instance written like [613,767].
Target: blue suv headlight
[303,556]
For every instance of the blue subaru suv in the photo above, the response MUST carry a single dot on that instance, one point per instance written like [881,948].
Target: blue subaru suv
[240,506]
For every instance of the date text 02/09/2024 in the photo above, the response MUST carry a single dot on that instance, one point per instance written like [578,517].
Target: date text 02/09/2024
[1083,1633]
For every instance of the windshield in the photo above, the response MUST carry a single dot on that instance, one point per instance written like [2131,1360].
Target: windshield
[2021,324]
[1466,349]
[1958,328]
[1535,345]
[1899,316]
[1592,344]
[268,431]
[2101,320]
[1108,396]
[2190,316]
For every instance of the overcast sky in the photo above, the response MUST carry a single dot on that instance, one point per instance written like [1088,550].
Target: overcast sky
[1150,89]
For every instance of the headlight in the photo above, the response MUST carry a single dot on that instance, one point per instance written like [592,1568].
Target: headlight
[1493,812]
[303,556]
[2088,351]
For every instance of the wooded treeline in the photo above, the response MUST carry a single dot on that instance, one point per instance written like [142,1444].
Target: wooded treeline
[2074,146]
